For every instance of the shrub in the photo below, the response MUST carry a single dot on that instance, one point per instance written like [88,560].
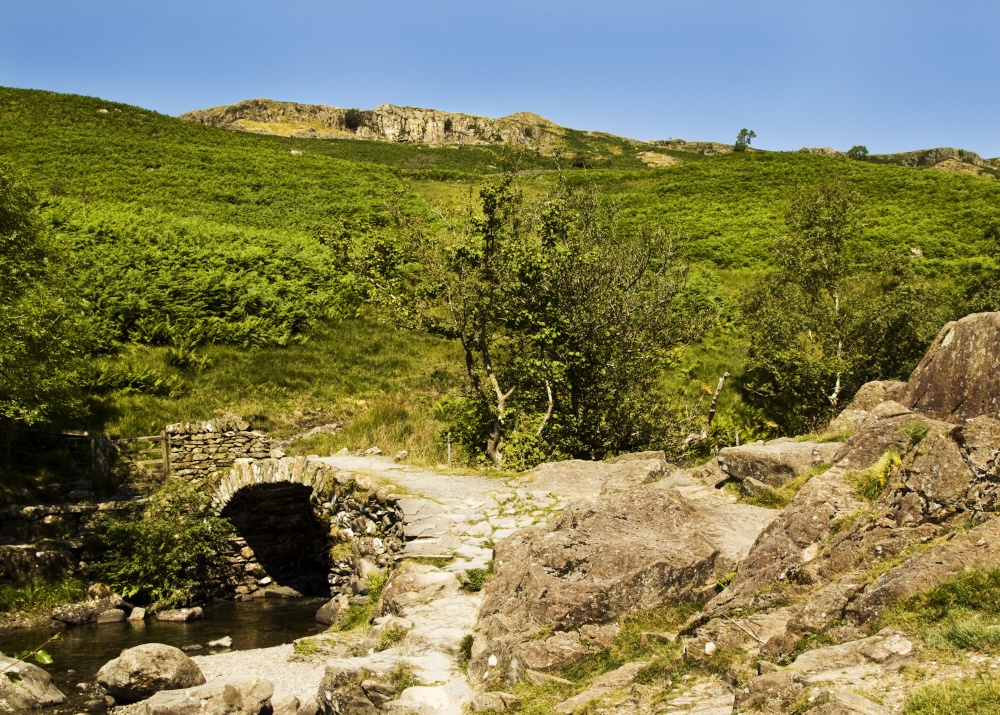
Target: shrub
[162,555]
[354,119]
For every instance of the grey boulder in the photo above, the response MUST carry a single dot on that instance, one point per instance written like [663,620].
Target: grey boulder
[141,671]
[227,696]
[35,689]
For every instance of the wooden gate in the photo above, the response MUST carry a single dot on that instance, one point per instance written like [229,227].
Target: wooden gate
[150,455]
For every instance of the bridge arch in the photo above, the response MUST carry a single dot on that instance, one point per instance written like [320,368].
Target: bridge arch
[308,525]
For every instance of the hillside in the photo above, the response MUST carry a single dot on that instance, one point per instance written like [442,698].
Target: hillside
[210,260]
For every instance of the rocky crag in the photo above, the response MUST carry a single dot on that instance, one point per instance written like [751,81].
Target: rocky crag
[386,122]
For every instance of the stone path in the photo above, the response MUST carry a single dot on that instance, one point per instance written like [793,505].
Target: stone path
[451,523]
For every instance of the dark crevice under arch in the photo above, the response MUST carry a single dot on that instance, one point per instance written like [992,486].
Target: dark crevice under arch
[288,539]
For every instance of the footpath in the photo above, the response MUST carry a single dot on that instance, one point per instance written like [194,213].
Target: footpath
[410,660]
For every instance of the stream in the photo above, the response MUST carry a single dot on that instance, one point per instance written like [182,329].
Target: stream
[82,650]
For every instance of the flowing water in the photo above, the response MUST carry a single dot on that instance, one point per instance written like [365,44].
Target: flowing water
[81,650]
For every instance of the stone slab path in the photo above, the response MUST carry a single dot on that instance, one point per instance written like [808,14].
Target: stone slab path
[451,523]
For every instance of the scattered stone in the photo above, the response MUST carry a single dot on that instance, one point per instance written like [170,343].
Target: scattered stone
[146,669]
[87,612]
[229,696]
[224,642]
[138,614]
[181,614]
[193,648]
[401,455]
[112,615]
[282,592]
[493,702]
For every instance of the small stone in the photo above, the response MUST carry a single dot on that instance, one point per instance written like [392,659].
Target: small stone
[224,642]
[710,648]
[401,455]
[138,614]
[193,648]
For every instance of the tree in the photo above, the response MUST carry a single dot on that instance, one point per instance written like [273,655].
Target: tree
[743,139]
[563,318]
[858,151]
[832,316]
[41,339]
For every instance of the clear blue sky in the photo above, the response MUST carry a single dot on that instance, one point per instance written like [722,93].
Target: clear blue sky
[891,74]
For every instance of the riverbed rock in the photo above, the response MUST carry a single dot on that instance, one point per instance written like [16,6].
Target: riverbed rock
[331,611]
[112,615]
[88,611]
[775,463]
[559,589]
[35,689]
[956,380]
[227,696]
[146,669]
[181,614]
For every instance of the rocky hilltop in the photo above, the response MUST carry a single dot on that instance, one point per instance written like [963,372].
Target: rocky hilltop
[386,122]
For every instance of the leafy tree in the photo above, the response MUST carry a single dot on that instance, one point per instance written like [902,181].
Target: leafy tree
[354,119]
[41,339]
[743,139]
[564,319]
[832,316]
[859,151]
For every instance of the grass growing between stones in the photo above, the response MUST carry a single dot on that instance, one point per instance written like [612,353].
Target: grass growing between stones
[870,483]
[970,696]
[39,595]
[781,497]
[665,666]
[360,615]
[963,613]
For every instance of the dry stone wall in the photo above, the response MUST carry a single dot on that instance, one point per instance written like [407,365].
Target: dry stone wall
[202,451]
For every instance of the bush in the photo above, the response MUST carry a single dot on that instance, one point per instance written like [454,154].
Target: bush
[354,119]
[162,555]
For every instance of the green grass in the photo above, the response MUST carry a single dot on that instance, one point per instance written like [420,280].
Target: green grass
[962,614]
[380,381]
[971,696]
[781,497]
[40,595]
[870,483]
[359,616]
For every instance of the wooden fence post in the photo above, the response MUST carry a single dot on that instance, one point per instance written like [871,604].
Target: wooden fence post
[165,437]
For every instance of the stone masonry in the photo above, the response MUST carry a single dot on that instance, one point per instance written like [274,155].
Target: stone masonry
[201,451]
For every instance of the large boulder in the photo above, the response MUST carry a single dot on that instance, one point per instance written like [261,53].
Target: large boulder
[957,379]
[775,463]
[228,696]
[34,689]
[559,589]
[146,669]
[868,397]
[582,478]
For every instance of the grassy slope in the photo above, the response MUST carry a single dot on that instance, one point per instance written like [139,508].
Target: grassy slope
[126,159]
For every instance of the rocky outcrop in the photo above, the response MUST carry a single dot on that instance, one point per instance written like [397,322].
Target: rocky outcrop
[144,670]
[957,378]
[386,122]
[558,590]
[584,478]
[33,690]
[774,463]
[231,696]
